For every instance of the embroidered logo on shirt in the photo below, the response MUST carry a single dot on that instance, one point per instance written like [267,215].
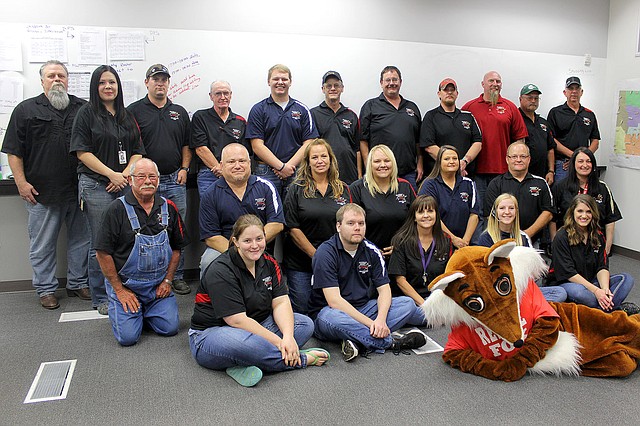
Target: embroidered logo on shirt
[268,282]
[341,201]
[466,124]
[464,196]
[236,133]
[410,112]
[586,121]
[501,109]
[363,267]
[599,199]
[401,198]
[543,127]
[296,115]
[261,203]
[534,190]
[346,123]
[174,115]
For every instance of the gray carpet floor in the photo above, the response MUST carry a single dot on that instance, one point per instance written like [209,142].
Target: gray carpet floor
[157,382]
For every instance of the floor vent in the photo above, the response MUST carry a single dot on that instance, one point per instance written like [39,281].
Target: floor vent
[51,382]
[81,316]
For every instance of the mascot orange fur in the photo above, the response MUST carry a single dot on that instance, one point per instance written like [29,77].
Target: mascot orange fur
[502,327]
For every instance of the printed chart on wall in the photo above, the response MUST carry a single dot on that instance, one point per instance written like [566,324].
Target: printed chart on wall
[626,149]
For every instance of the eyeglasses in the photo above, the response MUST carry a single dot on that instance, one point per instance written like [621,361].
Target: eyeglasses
[531,98]
[142,178]
[391,80]
[220,94]
[333,86]
[518,157]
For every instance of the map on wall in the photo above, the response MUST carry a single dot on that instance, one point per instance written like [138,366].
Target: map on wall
[626,148]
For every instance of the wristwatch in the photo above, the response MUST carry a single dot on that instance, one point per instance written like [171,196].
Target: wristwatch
[185,168]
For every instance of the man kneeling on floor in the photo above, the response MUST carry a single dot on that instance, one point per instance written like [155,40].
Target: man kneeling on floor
[138,249]
[347,271]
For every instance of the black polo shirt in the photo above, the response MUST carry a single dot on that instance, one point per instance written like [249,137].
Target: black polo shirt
[315,217]
[458,128]
[533,195]
[385,213]
[116,237]
[228,288]
[539,141]
[101,135]
[399,129]
[407,262]
[164,132]
[342,130]
[582,259]
[39,134]
[208,129]
[573,130]
[607,206]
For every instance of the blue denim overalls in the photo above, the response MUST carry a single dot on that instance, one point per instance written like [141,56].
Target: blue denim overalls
[143,271]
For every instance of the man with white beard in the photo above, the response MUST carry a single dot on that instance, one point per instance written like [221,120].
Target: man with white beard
[37,144]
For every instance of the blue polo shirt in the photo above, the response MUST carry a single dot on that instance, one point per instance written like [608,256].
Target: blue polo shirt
[357,276]
[455,205]
[283,131]
[220,207]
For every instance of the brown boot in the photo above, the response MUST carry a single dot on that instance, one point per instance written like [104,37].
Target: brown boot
[82,293]
[49,301]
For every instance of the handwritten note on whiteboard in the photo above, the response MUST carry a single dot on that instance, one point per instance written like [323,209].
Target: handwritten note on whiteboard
[125,45]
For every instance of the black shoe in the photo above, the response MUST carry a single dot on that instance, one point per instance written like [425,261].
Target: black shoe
[412,340]
[349,350]
[630,308]
[180,286]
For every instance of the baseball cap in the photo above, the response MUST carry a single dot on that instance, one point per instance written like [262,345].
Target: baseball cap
[447,81]
[573,80]
[157,69]
[329,74]
[528,88]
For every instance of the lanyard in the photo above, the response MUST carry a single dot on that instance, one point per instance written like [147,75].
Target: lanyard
[583,191]
[425,263]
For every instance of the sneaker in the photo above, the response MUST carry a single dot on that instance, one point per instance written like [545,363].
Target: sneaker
[411,340]
[103,308]
[630,308]
[180,286]
[246,376]
[349,350]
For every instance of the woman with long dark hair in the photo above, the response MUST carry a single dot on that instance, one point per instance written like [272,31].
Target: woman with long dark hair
[420,253]
[107,142]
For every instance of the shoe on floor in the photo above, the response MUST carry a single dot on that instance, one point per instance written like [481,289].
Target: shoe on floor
[349,350]
[103,308]
[81,293]
[630,308]
[180,286]
[412,340]
[246,376]
[49,301]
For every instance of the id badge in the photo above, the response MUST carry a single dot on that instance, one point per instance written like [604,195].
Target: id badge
[122,157]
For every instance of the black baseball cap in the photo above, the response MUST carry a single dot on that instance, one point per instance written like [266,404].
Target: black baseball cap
[573,80]
[329,74]
[158,69]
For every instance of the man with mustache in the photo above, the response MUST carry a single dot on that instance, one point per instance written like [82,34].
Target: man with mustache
[501,125]
[37,144]
[447,125]
[138,248]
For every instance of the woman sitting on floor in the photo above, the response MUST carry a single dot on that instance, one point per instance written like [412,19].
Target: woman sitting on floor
[580,262]
[249,326]
[421,252]
[503,223]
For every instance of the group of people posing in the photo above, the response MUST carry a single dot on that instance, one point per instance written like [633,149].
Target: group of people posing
[305,184]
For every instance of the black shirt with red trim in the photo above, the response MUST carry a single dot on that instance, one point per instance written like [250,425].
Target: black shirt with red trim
[607,206]
[540,141]
[116,237]
[573,129]
[583,259]
[228,288]
[208,129]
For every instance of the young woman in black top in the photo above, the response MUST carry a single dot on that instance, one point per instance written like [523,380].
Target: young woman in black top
[242,321]
[106,140]
[310,209]
[421,252]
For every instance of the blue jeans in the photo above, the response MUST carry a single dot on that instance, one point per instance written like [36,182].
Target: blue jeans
[417,317]
[208,256]
[206,178]
[43,225]
[95,199]
[299,283]
[554,293]
[620,284]
[264,171]
[171,190]
[222,347]
[560,173]
[411,177]
[334,324]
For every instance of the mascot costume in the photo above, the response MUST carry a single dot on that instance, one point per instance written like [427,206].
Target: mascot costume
[502,327]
